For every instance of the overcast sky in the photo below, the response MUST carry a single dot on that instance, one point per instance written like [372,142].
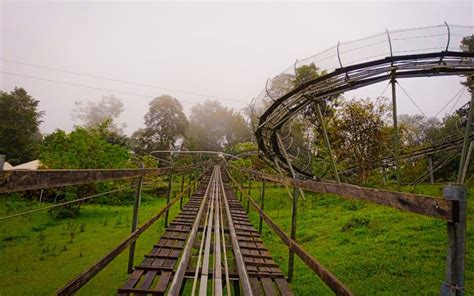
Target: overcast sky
[223,50]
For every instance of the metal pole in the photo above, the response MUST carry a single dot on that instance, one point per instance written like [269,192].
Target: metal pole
[467,134]
[466,163]
[136,206]
[291,255]
[262,205]
[430,167]
[288,162]
[182,187]
[384,174]
[396,144]
[249,191]
[328,144]
[453,284]
[168,197]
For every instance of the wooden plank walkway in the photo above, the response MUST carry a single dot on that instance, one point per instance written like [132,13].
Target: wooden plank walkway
[258,274]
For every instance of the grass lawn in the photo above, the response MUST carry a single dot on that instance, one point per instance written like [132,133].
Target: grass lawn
[372,249]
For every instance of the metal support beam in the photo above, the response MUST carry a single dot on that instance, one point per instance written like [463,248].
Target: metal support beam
[249,192]
[328,143]
[294,212]
[288,162]
[262,205]
[136,207]
[384,174]
[430,167]
[466,163]
[466,141]
[396,141]
[453,284]
[168,196]
[2,161]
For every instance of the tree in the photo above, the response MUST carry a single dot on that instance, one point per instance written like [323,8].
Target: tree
[467,45]
[215,127]
[364,135]
[166,126]
[92,114]
[19,121]
[414,130]
[83,148]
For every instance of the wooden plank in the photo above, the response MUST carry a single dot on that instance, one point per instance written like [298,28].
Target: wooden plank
[163,281]
[282,285]
[420,204]
[267,285]
[21,180]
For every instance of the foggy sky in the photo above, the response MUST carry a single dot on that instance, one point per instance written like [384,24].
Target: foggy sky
[224,50]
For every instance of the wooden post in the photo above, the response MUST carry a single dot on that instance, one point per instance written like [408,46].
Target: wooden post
[396,144]
[294,212]
[262,205]
[2,161]
[182,187]
[430,167]
[249,191]
[136,206]
[453,284]
[168,196]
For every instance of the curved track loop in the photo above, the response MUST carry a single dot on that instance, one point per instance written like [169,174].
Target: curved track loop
[335,83]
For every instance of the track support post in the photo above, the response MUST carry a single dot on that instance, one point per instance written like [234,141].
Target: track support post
[453,284]
[182,188]
[262,205]
[294,212]
[136,207]
[466,141]
[249,192]
[168,196]
[328,143]
[430,167]
[396,140]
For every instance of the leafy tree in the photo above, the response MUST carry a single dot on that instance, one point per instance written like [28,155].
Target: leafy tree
[166,126]
[215,127]
[19,121]
[93,114]
[82,149]
[364,136]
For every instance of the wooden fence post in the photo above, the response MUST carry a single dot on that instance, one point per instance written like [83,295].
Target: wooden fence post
[182,187]
[262,205]
[453,284]
[189,185]
[168,197]
[136,206]
[294,212]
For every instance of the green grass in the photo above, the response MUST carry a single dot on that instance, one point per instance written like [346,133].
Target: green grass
[39,254]
[374,250]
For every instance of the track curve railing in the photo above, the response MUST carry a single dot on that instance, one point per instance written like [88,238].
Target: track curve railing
[416,52]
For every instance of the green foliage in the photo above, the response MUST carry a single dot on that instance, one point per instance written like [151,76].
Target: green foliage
[165,123]
[467,45]
[19,121]
[82,149]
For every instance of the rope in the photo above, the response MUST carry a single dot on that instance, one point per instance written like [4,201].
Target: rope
[64,203]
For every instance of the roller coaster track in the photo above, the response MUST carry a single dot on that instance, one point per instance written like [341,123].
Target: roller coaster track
[210,246]
[345,78]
